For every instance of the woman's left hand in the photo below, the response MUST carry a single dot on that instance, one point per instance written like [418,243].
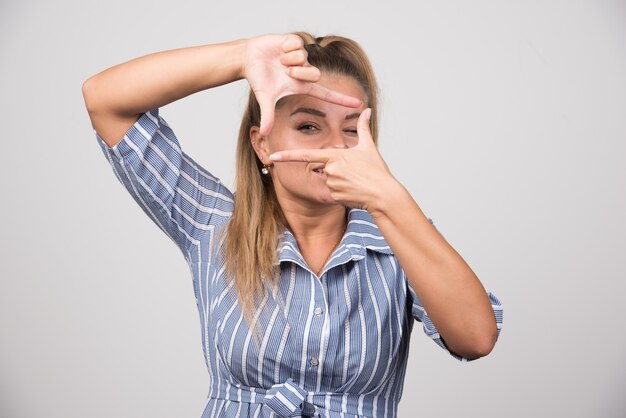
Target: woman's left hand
[358,176]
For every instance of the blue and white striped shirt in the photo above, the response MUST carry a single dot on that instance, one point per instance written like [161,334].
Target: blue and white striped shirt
[330,346]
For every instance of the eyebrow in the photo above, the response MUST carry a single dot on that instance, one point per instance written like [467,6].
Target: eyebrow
[316,112]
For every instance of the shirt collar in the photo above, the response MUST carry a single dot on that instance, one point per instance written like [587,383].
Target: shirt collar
[362,234]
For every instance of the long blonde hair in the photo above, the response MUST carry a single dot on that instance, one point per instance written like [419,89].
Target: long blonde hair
[254,231]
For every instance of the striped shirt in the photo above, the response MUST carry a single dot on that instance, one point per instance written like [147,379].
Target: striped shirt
[329,346]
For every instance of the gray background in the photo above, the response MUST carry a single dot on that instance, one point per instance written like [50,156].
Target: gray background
[505,120]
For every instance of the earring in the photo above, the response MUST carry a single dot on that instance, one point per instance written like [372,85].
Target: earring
[265,170]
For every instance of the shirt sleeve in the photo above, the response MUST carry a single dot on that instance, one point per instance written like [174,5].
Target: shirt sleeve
[183,199]
[420,314]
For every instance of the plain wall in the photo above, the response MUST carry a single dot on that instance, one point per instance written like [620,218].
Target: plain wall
[506,120]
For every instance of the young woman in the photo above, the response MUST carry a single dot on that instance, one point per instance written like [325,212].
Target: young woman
[308,279]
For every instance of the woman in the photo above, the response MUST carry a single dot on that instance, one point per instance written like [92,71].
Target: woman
[307,280]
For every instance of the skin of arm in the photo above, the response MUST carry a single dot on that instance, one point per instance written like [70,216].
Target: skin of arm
[450,292]
[117,96]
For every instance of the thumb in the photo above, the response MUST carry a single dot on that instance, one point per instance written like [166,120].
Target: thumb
[363,129]
[267,116]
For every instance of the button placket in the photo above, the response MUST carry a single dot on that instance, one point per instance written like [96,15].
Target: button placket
[318,315]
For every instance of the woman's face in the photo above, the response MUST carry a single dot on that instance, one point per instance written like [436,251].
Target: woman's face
[305,122]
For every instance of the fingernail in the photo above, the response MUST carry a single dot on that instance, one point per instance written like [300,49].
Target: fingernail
[275,157]
[369,113]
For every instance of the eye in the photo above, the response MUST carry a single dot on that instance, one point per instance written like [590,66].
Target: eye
[308,128]
[351,131]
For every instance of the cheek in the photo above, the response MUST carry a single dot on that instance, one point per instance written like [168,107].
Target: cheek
[352,141]
[288,172]
[283,144]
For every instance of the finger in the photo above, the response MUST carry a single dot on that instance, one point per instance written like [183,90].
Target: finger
[311,74]
[332,96]
[297,57]
[292,42]
[303,155]
[267,116]
[363,129]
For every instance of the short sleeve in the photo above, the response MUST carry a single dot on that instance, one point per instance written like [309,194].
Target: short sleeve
[183,199]
[420,314]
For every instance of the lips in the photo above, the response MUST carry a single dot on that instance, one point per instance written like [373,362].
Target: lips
[319,168]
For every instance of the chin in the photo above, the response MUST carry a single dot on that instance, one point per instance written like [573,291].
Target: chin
[328,200]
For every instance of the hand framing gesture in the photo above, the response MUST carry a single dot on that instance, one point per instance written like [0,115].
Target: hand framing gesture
[355,176]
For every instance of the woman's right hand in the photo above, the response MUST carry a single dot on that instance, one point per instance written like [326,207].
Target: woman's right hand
[276,66]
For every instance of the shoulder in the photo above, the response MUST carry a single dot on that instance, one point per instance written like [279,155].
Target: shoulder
[363,232]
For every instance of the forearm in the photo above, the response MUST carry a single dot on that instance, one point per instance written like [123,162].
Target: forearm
[131,88]
[450,292]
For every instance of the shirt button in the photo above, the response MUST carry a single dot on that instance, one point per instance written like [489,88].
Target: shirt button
[318,311]
[314,361]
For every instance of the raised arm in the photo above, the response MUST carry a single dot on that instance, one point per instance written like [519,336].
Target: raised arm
[117,96]
[274,65]
[186,201]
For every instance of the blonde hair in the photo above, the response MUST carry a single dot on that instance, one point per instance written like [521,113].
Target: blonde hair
[255,228]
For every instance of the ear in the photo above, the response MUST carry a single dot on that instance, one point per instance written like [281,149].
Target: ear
[259,143]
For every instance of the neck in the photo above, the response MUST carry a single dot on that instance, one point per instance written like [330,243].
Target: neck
[312,224]
[317,228]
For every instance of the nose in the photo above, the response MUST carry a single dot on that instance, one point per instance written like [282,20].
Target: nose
[336,140]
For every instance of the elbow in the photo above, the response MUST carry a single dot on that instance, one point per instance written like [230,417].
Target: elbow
[483,346]
[93,90]
[88,94]
[477,347]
